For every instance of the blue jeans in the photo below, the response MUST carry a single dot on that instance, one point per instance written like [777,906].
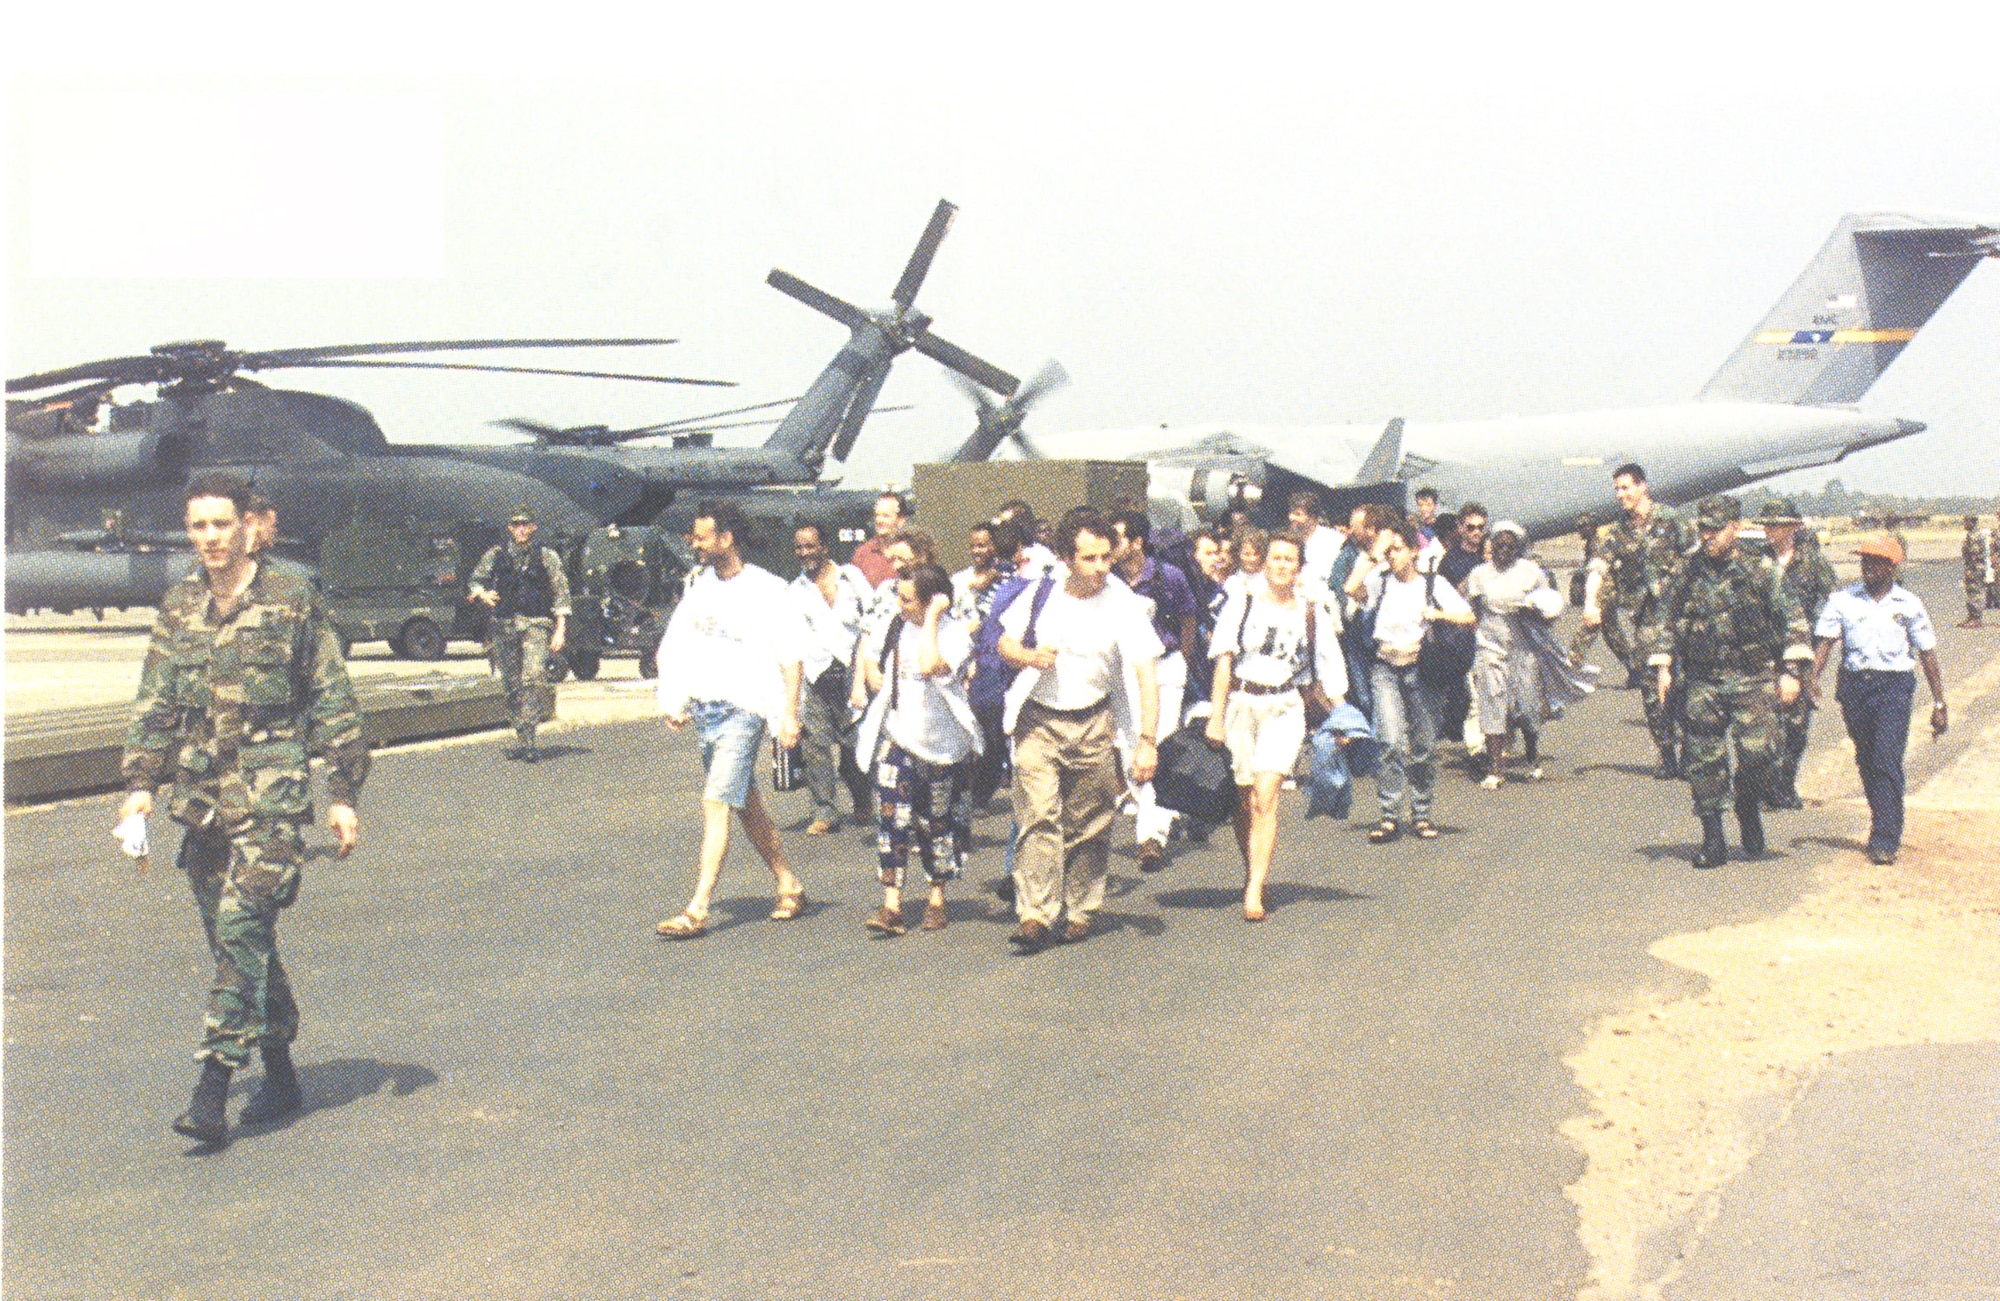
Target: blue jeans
[730,738]
[1405,721]
[1875,705]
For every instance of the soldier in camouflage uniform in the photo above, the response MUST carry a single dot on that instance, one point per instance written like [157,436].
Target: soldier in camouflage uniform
[1733,632]
[1810,579]
[243,680]
[1977,554]
[525,587]
[1609,626]
[1638,557]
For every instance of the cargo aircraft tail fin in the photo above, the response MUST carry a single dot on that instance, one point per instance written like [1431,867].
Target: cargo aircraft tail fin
[1873,285]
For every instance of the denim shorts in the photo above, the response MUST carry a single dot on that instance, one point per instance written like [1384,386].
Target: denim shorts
[730,740]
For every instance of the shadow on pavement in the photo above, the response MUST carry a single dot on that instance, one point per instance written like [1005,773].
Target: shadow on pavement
[1277,894]
[327,1085]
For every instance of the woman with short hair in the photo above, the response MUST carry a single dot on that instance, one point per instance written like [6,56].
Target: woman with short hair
[1272,644]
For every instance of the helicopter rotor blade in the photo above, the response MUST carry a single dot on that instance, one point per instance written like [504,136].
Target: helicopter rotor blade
[282,357]
[669,426]
[919,265]
[976,394]
[112,371]
[354,363]
[1028,450]
[1049,378]
[818,299]
[210,359]
[958,359]
[540,430]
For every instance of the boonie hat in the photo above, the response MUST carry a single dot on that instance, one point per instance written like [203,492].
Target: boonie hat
[1508,526]
[1780,510]
[1714,512]
[522,515]
[1883,545]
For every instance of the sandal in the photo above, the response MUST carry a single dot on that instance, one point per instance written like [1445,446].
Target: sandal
[789,906]
[686,926]
[1385,831]
[1423,829]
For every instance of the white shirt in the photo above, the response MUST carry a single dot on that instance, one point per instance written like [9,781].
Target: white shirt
[931,717]
[1322,545]
[1272,649]
[834,626]
[1881,636]
[730,640]
[1094,639]
[1239,582]
[1399,609]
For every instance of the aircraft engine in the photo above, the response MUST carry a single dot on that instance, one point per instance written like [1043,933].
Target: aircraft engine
[1216,487]
[93,461]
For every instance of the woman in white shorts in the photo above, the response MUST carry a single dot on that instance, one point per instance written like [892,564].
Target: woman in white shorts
[1271,642]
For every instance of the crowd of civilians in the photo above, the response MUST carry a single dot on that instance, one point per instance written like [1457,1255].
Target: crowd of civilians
[1060,657]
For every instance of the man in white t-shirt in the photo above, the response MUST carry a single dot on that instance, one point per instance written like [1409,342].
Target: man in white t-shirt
[1064,711]
[730,663]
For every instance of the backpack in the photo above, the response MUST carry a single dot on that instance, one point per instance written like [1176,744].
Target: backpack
[992,674]
[1446,654]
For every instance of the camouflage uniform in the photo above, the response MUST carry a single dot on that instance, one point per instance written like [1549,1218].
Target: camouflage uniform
[1976,552]
[229,708]
[1725,625]
[1810,579]
[520,641]
[1643,560]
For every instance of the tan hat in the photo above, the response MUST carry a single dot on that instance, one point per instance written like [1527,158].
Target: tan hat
[1882,545]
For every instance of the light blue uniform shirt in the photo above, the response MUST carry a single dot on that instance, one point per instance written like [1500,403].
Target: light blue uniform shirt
[1882,636]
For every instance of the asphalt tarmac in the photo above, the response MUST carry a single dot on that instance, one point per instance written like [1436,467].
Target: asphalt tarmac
[515,1089]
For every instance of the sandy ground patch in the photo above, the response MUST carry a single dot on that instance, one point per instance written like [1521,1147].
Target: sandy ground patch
[1684,1096]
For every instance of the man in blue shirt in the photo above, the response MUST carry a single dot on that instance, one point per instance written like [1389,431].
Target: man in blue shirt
[1165,590]
[1884,633]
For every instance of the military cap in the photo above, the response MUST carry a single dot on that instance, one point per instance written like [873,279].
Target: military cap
[1780,510]
[1716,511]
[522,515]
[1883,545]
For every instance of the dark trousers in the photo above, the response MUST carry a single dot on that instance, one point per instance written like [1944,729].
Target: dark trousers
[1876,708]
[990,768]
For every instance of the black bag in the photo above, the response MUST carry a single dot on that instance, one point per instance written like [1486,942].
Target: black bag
[1446,655]
[1194,777]
[788,767]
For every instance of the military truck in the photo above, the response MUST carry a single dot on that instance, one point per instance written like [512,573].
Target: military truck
[403,583]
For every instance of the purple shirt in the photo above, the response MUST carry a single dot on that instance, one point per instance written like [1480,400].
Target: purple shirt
[1173,600]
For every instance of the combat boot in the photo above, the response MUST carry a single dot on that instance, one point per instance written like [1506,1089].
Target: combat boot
[1714,851]
[1670,765]
[1750,821]
[1785,794]
[529,752]
[207,1118]
[278,1096]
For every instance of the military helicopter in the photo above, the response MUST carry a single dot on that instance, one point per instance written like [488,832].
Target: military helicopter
[88,510]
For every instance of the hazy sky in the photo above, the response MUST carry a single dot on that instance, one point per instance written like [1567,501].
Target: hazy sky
[1255,218]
